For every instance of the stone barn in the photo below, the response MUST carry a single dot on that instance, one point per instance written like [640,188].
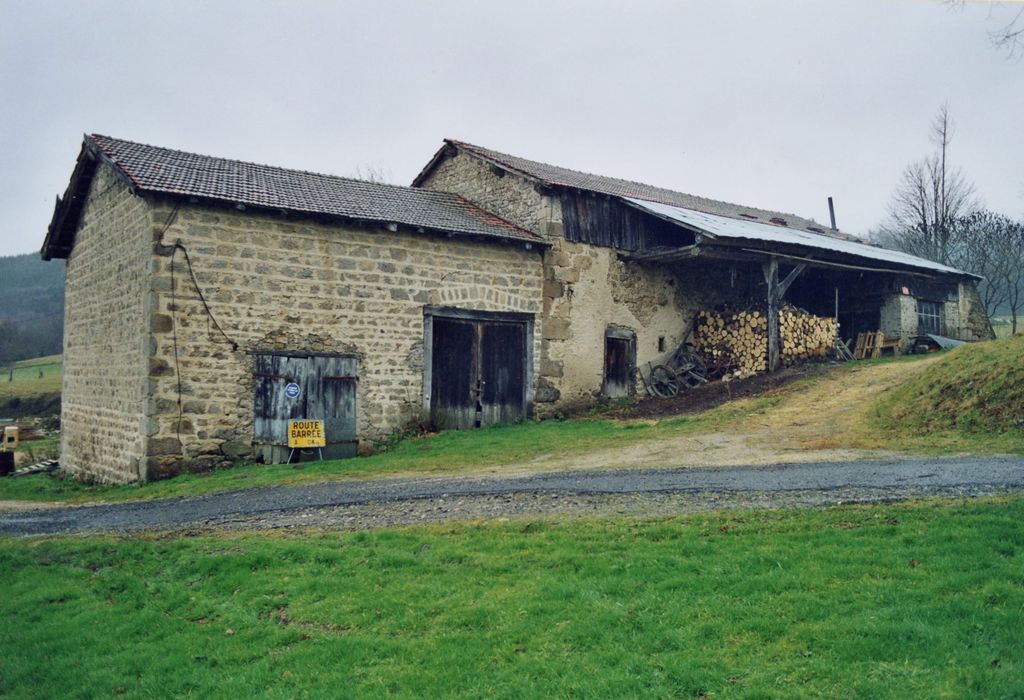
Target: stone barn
[199,289]
[210,301]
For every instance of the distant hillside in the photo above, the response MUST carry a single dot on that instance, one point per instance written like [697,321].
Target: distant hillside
[31,307]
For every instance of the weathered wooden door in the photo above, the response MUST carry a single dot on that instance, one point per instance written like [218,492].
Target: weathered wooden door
[619,361]
[292,387]
[502,365]
[478,372]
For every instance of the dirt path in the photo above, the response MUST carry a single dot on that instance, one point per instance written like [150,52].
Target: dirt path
[815,422]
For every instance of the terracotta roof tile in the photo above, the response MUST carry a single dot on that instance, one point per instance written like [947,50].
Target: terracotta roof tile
[163,170]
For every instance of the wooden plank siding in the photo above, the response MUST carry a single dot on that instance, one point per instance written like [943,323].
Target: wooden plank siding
[608,222]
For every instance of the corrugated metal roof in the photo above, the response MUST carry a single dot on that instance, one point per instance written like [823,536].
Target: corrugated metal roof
[155,169]
[566,177]
[724,227]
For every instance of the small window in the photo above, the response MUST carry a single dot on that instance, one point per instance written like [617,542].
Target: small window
[929,317]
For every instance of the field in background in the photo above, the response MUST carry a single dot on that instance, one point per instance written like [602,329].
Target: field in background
[24,382]
[1002,326]
[887,601]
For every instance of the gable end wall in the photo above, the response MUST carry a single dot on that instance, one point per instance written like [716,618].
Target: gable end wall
[105,335]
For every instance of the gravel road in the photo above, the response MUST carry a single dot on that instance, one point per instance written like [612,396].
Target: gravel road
[375,503]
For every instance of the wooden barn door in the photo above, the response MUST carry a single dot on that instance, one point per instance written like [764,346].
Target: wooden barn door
[502,363]
[453,381]
[326,390]
[479,371]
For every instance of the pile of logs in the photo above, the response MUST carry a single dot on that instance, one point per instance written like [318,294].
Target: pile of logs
[732,340]
[805,336]
[737,341]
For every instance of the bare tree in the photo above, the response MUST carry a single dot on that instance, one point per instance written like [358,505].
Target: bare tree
[929,198]
[1011,36]
[992,245]
[372,173]
[1013,276]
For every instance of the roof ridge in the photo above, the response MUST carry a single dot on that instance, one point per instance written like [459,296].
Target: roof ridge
[578,172]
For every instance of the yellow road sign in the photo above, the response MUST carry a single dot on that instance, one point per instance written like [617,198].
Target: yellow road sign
[306,433]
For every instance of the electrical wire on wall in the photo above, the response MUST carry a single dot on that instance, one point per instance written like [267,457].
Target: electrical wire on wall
[178,245]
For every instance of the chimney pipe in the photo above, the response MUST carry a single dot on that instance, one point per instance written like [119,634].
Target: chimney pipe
[832,214]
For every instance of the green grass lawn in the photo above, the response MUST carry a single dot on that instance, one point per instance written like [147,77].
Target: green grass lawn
[25,381]
[894,601]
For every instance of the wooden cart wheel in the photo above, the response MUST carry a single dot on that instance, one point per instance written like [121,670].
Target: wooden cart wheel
[691,370]
[664,381]
[689,361]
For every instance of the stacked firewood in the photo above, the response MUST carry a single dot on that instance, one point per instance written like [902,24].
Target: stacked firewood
[804,336]
[732,340]
[737,341]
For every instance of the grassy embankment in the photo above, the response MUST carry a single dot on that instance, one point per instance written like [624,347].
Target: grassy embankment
[971,400]
[889,601]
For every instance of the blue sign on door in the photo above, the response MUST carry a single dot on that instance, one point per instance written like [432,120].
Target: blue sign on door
[292,390]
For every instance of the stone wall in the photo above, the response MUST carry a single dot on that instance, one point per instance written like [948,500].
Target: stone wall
[273,284]
[899,318]
[588,289]
[105,335]
[974,323]
[964,318]
[506,194]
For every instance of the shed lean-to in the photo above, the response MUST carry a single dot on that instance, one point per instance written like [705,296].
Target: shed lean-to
[632,256]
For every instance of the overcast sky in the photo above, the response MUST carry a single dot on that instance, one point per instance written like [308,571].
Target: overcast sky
[770,104]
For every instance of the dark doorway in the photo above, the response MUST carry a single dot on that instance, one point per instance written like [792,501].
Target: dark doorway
[478,366]
[304,387]
[619,362]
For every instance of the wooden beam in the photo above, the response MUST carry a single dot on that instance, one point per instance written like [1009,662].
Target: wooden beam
[815,262]
[776,291]
[793,274]
[663,254]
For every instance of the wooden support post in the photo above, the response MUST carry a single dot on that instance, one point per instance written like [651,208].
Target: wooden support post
[771,276]
[776,290]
